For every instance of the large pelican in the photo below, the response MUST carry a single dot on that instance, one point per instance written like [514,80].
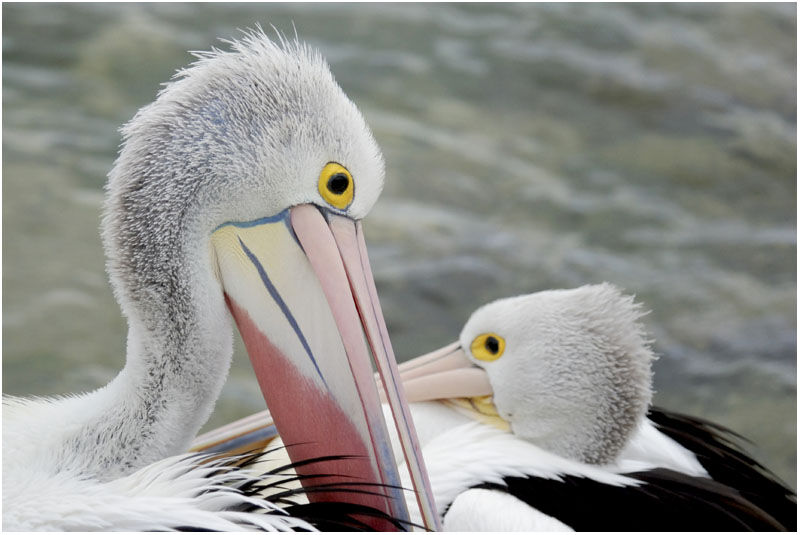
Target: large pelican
[542,421]
[241,189]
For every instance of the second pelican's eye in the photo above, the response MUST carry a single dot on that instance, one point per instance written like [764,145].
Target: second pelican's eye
[488,347]
[336,185]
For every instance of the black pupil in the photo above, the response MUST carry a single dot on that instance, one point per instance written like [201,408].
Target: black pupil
[492,345]
[337,184]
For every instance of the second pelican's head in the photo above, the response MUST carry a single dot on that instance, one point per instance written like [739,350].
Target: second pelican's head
[242,187]
[569,370]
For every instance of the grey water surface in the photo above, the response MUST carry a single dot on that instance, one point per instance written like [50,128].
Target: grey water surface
[528,146]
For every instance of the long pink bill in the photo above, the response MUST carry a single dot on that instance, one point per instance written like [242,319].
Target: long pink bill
[443,374]
[287,284]
[350,239]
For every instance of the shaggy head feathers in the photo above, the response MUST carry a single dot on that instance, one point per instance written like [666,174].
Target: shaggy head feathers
[239,135]
[575,377]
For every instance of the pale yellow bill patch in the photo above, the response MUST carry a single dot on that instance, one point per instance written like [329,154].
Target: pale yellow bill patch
[266,241]
[480,408]
[282,259]
[291,307]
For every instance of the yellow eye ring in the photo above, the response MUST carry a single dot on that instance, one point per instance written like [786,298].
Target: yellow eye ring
[488,347]
[336,185]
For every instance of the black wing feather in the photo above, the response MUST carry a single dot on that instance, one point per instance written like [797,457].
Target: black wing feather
[324,516]
[665,501]
[722,454]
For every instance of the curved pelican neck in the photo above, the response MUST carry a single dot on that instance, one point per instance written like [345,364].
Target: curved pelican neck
[179,348]
[180,344]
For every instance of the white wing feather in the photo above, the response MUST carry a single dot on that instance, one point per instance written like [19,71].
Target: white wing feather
[176,492]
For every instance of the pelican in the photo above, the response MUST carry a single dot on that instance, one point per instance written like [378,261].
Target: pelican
[540,418]
[572,441]
[238,192]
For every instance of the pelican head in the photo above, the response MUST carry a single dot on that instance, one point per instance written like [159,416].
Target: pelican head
[241,189]
[568,370]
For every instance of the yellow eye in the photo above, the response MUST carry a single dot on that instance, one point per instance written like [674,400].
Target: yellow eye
[336,185]
[488,347]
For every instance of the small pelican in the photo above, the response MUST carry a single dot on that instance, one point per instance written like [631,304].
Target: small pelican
[568,373]
[542,421]
[241,190]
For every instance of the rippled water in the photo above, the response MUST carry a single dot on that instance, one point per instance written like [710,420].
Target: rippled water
[527,147]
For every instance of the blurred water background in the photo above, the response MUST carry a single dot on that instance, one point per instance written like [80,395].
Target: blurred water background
[527,146]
